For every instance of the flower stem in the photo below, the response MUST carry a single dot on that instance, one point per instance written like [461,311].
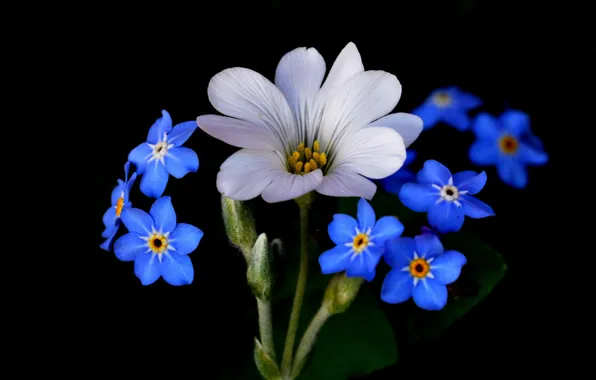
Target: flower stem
[309,338]
[266,327]
[304,203]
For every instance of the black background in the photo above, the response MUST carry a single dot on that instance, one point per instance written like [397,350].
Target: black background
[143,61]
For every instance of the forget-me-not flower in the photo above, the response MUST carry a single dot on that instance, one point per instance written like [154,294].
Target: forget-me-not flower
[449,105]
[421,270]
[360,243]
[508,143]
[163,155]
[394,182]
[158,246]
[111,218]
[447,198]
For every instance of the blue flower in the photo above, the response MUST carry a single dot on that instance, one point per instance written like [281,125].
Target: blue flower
[507,143]
[111,218]
[163,155]
[421,270]
[360,244]
[158,246]
[446,198]
[394,182]
[449,105]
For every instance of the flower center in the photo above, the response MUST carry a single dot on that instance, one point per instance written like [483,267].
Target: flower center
[419,268]
[305,159]
[450,193]
[120,204]
[158,243]
[508,144]
[442,99]
[160,150]
[360,242]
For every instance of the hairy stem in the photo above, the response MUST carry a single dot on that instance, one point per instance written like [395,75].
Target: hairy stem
[309,338]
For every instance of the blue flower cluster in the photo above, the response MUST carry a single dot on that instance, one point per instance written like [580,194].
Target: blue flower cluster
[421,268]
[158,245]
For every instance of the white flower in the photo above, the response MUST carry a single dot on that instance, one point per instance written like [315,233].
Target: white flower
[299,136]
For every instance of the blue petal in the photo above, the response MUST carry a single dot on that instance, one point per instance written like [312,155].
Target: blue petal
[387,227]
[429,113]
[163,214]
[181,161]
[484,152]
[129,184]
[512,172]
[185,238]
[434,173]
[467,101]
[147,268]
[154,180]
[364,265]
[428,245]
[110,231]
[447,267]
[531,155]
[397,287]
[366,215]
[475,208]
[534,141]
[139,156]
[126,168]
[446,217]
[456,118]
[177,269]
[137,220]
[342,229]
[107,243]
[161,126]
[430,295]
[418,197]
[129,246]
[410,157]
[109,218]
[469,181]
[116,192]
[335,260]
[486,127]
[181,132]
[516,123]
[394,182]
[399,252]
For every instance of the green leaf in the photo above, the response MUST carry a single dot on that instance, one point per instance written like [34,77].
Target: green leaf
[484,269]
[265,364]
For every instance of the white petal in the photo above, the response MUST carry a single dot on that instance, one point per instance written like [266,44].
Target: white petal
[360,100]
[239,133]
[288,186]
[299,76]
[407,125]
[374,152]
[343,182]
[249,96]
[246,173]
[347,64]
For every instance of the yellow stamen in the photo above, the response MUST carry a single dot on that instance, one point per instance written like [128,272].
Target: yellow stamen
[158,243]
[360,242]
[419,268]
[304,159]
[508,144]
[119,206]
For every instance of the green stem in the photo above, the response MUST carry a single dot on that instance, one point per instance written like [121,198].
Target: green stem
[309,338]
[286,363]
[266,327]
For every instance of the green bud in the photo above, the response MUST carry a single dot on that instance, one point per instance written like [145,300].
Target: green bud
[341,292]
[266,366]
[240,224]
[259,274]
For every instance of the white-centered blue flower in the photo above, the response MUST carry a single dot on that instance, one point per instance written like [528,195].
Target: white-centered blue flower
[163,155]
[449,105]
[301,134]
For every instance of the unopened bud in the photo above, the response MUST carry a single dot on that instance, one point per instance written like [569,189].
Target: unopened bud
[341,292]
[240,224]
[259,274]
[265,364]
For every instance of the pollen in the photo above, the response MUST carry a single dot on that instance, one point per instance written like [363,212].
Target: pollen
[508,144]
[306,159]
[158,243]
[442,99]
[360,242]
[119,206]
[419,268]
